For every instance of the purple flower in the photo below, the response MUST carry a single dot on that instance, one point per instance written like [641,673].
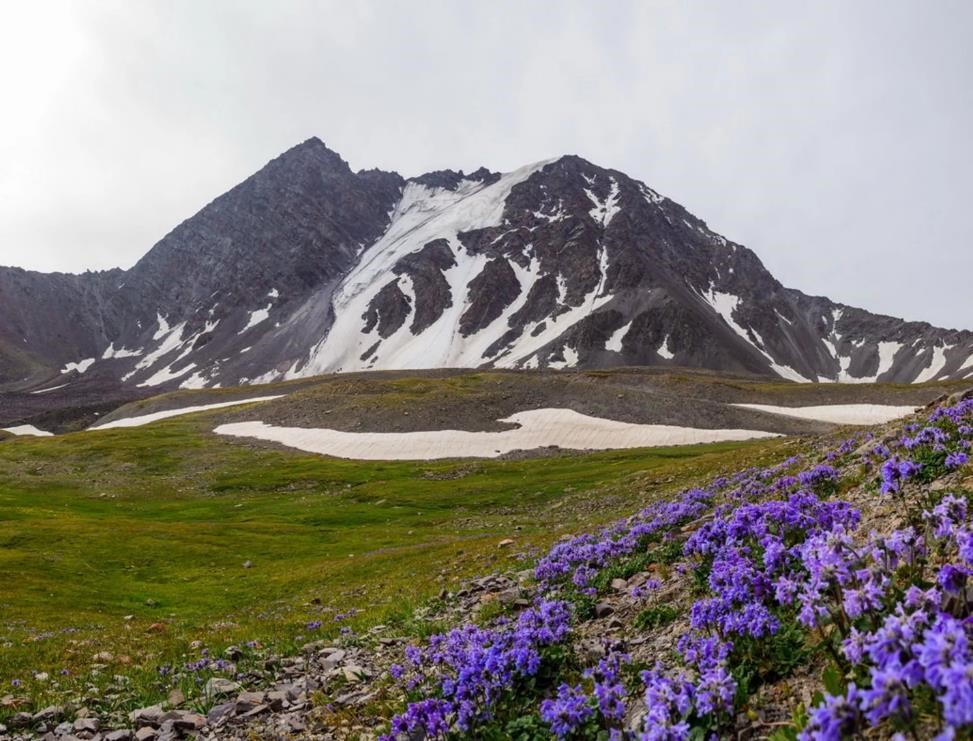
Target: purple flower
[568,711]
[956,459]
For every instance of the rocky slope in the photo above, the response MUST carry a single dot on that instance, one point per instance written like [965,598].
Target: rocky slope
[308,267]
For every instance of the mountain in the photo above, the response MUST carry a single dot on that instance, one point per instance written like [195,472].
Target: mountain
[308,267]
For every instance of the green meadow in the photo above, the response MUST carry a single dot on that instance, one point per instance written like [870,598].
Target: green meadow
[137,542]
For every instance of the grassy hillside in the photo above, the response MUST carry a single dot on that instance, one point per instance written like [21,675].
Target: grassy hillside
[134,541]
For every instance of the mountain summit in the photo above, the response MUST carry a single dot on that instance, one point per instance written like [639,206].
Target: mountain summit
[308,267]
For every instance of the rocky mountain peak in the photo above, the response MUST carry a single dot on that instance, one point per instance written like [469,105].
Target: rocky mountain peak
[308,267]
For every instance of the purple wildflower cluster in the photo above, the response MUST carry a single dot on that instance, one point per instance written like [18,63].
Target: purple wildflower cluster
[910,645]
[472,668]
[770,546]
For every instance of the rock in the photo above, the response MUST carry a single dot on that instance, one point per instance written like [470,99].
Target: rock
[334,659]
[146,733]
[355,673]
[591,650]
[254,711]
[603,609]
[168,732]
[103,657]
[619,585]
[122,734]
[21,720]
[505,543]
[176,698]
[189,722]
[219,687]
[48,714]
[248,564]
[248,700]
[146,716]
[509,596]
[87,725]
[295,723]
[233,653]
[221,712]
[276,700]
[64,729]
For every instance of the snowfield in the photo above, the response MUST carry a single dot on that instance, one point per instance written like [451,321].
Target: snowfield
[536,428]
[839,414]
[145,419]
[27,430]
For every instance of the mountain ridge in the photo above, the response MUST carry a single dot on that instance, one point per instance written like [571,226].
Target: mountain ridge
[309,267]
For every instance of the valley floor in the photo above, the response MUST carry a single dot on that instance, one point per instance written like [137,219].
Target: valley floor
[123,551]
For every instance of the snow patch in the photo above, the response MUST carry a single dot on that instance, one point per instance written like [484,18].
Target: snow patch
[111,352]
[52,388]
[27,430]
[81,366]
[422,215]
[570,359]
[196,381]
[166,374]
[839,414]
[145,419]
[604,211]
[527,344]
[936,365]
[664,350]
[536,428]
[614,342]
[725,304]
[651,196]
[256,316]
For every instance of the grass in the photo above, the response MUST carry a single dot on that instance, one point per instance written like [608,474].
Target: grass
[134,541]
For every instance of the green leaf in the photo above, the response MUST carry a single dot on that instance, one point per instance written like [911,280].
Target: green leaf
[834,681]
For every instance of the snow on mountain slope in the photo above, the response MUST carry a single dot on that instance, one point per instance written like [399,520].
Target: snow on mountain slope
[309,267]
[422,216]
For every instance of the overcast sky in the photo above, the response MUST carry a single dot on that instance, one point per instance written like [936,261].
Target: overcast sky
[833,138]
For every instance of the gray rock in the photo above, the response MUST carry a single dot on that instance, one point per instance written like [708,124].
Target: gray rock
[276,700]
[123,734]
[603,609]
[145,733]
[87,725]
[189,721]
[221,712]
[48,714]
[248,700]
[254,711]
[176,698]
[334,659]
[354,673]
[148,716]
[220,687]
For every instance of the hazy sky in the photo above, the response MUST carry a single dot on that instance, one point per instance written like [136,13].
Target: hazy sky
[833,138]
